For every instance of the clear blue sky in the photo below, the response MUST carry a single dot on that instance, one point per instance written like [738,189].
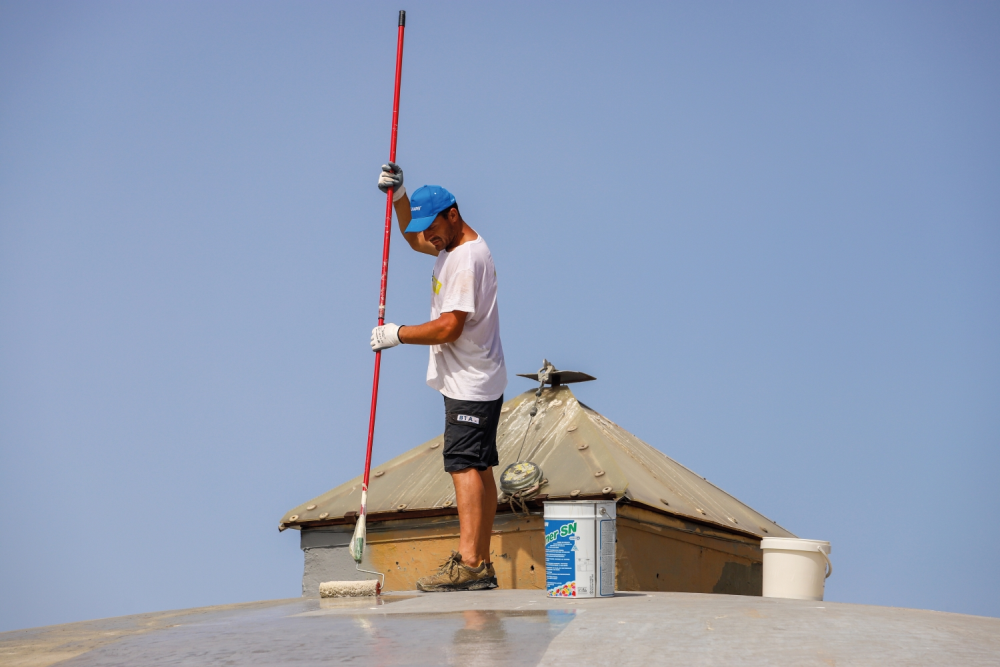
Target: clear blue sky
[771,230]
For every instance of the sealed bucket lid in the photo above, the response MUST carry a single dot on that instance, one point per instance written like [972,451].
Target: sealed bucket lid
[794,544]
[580,509]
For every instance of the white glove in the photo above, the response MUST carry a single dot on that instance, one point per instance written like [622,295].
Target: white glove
[392,177]
[385,336]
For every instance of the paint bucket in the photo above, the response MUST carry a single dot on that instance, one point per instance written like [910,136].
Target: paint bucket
[794,568]
[580,548]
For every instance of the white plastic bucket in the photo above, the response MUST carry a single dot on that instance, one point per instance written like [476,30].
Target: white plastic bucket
[795,568]
[580,548]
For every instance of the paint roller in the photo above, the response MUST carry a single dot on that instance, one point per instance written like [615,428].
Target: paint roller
[350,589]
[341,589]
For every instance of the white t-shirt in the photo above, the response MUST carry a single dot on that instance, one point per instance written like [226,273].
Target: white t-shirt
[472,367]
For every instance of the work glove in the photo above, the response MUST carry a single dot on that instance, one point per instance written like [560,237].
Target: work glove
[385,336]
[392,177]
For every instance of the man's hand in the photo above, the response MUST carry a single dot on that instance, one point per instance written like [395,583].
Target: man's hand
[385,336]
[392,177]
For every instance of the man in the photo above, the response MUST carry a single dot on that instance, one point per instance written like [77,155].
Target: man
[466,366]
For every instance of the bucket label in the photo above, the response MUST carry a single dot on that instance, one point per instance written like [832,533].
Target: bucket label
[607,529]
[561,539]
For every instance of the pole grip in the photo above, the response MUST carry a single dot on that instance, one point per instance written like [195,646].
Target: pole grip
[402,17]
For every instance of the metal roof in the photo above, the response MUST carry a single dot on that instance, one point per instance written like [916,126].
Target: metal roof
[581,453]
[518,627]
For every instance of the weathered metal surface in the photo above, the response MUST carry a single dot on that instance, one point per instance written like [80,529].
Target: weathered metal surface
[662,553]
[514,628]
[407,550]
[582,453]
[405,554]
[655,553]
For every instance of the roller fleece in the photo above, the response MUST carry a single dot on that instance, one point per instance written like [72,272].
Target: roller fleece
[348,589]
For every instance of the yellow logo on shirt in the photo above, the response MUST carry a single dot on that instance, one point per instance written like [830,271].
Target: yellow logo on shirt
[435,284]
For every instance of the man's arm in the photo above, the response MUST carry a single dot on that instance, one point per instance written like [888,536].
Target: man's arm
[445,329]
[391,177]
[415,239]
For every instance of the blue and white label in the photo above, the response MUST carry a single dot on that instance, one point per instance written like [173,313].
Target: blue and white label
[468,418]
[560,558]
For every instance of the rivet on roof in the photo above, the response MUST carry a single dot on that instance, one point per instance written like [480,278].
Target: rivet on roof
[664,501]
[505,409]
[294,517]
[732,519]
[574,493]
[762,528]
[700,510]
[571,429]
[435,445]
[447,503]
[379,473]
[599,473]
[607,489]
[582,447]
[311,507]
[324,515]
[401,506]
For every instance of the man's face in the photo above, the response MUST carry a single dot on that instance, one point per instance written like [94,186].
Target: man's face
[443,230]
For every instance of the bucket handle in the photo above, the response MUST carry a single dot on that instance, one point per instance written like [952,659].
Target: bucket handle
[829,565]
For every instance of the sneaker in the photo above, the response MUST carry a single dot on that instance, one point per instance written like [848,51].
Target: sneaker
[493,575]
[455,575]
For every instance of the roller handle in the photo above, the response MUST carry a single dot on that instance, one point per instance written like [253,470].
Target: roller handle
[359,531]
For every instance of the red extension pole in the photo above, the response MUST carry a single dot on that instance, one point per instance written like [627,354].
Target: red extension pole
[357,545]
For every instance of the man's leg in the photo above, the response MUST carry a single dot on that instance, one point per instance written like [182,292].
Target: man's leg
[470,443]
[475,516]
[465,570]
[489,512]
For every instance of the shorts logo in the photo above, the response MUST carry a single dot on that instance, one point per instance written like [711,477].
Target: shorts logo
[468,418]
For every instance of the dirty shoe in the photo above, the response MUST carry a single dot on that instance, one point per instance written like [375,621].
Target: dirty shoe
[493,575]
[454,575]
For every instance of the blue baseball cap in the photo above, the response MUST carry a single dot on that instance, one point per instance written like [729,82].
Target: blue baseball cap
[425,204]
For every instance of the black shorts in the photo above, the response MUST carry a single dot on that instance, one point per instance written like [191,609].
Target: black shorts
[470,434]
